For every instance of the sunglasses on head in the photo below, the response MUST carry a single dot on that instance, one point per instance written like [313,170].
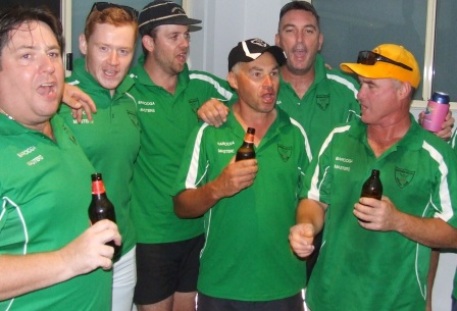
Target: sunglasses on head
[370,58]
[100,6]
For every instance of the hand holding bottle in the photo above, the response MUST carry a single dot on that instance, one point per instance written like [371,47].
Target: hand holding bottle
[235,177]
[374,211]
[378,215]
[101,207]
[89,250]
[372,188]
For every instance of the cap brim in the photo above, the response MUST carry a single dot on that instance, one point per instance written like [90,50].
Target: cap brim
[381,70]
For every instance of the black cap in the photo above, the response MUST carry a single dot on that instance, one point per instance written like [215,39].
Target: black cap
[162,12]
[251,49]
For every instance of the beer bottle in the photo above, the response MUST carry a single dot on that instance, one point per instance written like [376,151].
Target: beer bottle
[246,150]
[372,188]
[101,207]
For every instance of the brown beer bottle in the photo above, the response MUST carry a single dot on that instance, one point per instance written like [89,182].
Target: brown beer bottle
[101,207]
[372,188]
[246,150]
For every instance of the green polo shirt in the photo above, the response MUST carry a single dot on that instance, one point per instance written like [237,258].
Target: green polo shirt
[247,255]
[45,191]
[166,121]
[111,142]
[329,101]
[372,270]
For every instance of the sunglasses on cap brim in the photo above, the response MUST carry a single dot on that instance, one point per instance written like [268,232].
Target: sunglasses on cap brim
[370,58]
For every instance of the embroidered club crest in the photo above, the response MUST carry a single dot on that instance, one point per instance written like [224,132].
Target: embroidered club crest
[403,177]
[323,101]
[285,152]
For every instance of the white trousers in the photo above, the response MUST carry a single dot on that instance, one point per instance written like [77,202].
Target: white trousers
[124,280]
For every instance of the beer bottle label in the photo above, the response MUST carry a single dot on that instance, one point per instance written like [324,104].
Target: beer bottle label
[249,138]
[98,187]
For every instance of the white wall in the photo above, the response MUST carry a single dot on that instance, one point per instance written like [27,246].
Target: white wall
[227,22]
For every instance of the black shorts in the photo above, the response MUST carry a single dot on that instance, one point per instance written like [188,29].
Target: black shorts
[166,268]
[207,303]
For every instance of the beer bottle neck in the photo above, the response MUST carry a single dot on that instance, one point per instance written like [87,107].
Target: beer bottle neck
[249,138]
[98,188]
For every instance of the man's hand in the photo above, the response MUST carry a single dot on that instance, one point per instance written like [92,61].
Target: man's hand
[79,101]
[89,251]
[213,112]
[378,215]
[301,237]
[446,128]
[235,177]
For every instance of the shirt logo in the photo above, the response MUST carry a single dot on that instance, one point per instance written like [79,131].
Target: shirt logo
[342,164]
[323,101]
[84,119]
[26,151]
[225,143]
[35,160]
[285,152]
[150,105]
[403,177]
[225,147]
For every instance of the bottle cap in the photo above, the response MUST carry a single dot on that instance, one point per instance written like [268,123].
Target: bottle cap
[96,176]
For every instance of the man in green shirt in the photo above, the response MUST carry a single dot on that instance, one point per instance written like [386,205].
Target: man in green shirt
[168,95]
[380,245]
[248,205]
[111,140]
[49,254]
[317,97]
